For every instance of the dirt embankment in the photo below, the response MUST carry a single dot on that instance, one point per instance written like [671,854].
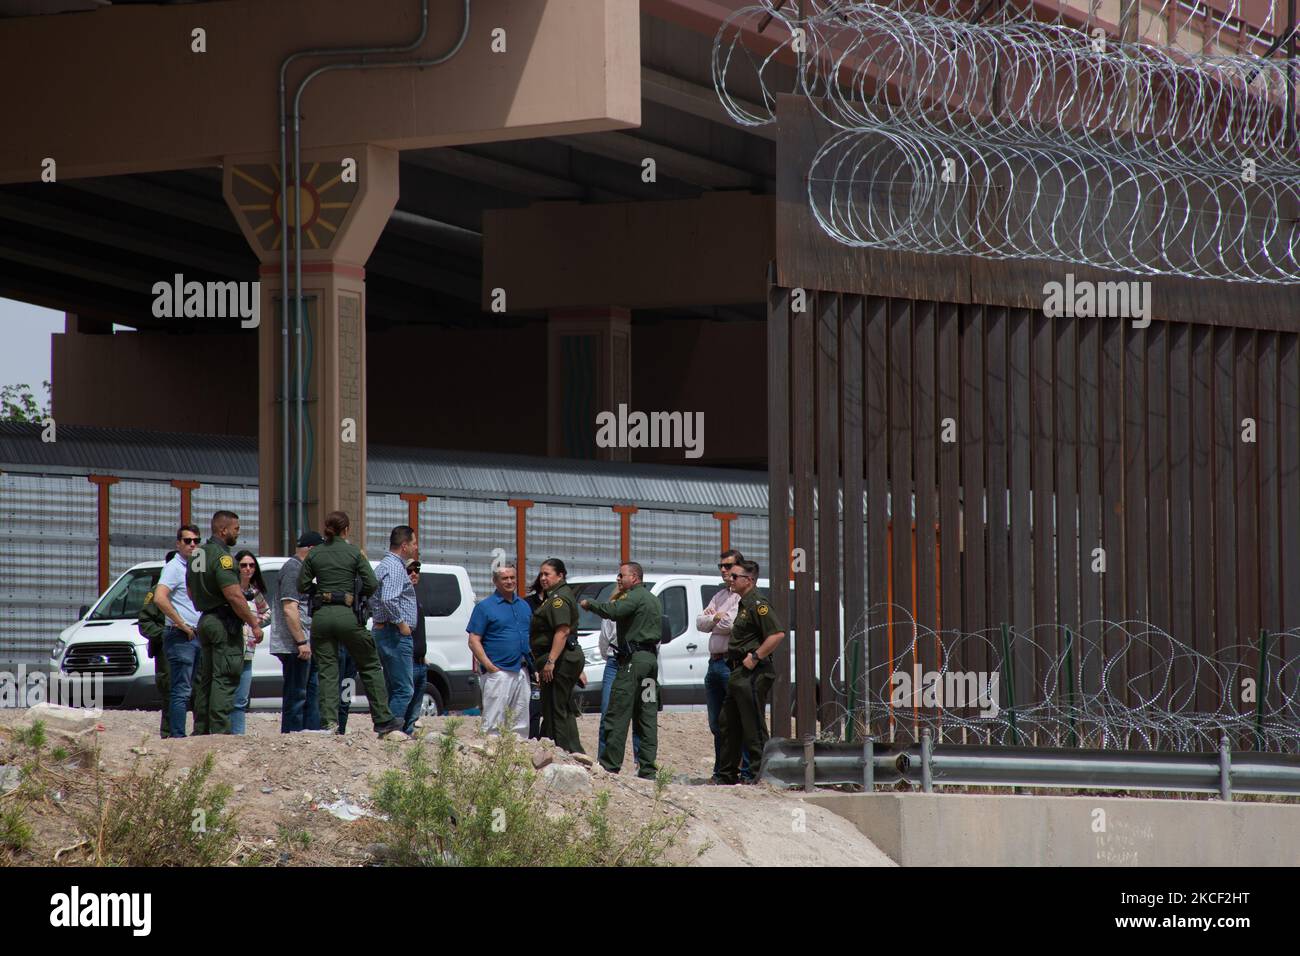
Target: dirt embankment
[285,784]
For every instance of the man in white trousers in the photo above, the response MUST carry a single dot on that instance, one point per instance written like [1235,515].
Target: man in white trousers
[498,639]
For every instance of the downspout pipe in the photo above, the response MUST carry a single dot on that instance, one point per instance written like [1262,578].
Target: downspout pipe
[289,537]
[362,64]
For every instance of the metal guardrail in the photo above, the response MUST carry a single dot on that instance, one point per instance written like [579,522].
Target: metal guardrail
[809,764]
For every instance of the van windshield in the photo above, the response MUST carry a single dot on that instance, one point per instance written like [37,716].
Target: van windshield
[594,591]
[125,598]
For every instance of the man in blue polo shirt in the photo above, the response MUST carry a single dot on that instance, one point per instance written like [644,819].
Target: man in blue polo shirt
[498,639]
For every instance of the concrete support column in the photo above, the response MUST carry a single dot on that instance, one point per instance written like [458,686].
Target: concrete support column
[589,355]
[347,195]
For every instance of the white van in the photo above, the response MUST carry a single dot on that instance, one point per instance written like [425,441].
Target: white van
[106,641]
[684,661]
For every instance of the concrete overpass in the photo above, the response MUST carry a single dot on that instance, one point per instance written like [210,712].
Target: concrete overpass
[517,165]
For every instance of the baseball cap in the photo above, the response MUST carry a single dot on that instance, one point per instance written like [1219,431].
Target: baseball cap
[309,539]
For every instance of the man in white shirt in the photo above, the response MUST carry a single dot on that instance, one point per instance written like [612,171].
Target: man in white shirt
[180,639]
[716,620]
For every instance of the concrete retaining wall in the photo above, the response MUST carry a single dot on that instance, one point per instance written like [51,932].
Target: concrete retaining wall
[918,829]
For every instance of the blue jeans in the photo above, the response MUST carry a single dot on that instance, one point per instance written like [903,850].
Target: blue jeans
[239,715]
[347,672]
[183,659]
[418,674]
[606,685]
[715,692]
[300,704]
[395,658]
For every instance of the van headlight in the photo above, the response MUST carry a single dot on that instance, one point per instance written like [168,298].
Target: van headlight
[60,646]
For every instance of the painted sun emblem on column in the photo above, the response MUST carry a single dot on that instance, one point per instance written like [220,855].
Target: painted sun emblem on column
[260,195]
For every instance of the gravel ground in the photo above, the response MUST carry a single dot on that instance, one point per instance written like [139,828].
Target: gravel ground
[281,781]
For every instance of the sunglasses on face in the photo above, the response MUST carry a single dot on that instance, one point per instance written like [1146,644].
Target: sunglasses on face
[189,540]
[247,564]
[733,577]
[723,567]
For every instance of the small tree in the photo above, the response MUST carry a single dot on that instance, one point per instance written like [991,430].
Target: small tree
[19,404]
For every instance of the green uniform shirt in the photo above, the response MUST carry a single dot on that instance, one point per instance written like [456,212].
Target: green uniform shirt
[219,572]
[334,565]
[151,622]
[755,622]
[638,614]
[557,609]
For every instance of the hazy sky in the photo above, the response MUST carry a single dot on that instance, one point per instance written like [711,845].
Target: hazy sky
[25,343]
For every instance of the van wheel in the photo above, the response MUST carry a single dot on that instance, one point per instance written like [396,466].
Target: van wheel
[431,705]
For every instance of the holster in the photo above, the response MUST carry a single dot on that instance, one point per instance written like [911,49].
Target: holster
[229,620]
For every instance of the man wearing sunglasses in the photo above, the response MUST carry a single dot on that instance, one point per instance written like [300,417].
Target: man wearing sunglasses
[180,638]
[754,637]
[716,621]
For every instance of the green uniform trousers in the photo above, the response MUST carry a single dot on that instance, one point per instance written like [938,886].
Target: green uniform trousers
[221,664]
[336,624]
[559,712]
[162,679]
[743,720]
[634,696]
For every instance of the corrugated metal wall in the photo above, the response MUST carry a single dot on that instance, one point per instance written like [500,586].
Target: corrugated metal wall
[142,519]
[47,559]
[209,498]
[464,531]
[585,538]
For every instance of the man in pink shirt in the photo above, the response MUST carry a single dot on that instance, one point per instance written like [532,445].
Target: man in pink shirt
[716,620]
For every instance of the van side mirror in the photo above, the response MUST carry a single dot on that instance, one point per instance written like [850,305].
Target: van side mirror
[85,609]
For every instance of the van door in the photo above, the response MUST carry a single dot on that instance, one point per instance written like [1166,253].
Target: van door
[679,660]
[674,657]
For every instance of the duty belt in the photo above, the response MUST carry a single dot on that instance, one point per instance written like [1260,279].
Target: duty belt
[737,660]
[227,616]
[335,597]
[634,646]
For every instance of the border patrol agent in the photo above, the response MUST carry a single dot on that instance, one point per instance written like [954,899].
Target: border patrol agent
[334,566]
[635,695]
[151,622]
[754,636]
[553,638]
[213,584]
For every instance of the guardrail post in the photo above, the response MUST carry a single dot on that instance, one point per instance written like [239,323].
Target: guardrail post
[1225,769]
[1261,689]
[868,764]
[1010,666]
[927,781]
[809,765]
[1069,684]
[853,686]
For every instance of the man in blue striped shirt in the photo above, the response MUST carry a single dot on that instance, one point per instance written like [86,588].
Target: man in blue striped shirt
[394,615]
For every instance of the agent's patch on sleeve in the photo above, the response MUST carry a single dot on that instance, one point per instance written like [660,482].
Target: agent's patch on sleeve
[227,562]
[558,602]
[762,610]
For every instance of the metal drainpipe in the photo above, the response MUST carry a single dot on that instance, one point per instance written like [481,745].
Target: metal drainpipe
[362,64]
[284,269]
